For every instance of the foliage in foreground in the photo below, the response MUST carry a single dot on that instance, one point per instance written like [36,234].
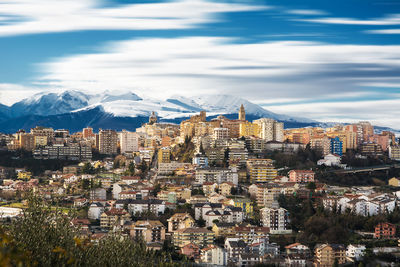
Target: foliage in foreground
[45,237]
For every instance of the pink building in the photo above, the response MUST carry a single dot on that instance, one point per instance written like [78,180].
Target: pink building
[382,140]
[301,176]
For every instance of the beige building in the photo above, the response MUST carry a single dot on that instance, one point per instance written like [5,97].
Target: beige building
[180,221]
[150,231]
[201,237]
[326,254]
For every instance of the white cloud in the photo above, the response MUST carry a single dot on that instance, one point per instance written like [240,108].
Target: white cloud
[11,93]
[384,31]
[379,112]
[188,66]
[306,12]
[47,16]
[389,20]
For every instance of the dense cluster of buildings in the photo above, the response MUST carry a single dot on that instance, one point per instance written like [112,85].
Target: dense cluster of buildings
[217,173]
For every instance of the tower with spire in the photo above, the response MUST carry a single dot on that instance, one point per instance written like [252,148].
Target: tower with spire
[242,113]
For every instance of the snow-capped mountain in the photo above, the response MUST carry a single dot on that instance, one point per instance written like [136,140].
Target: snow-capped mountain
[125,106]
[50,103]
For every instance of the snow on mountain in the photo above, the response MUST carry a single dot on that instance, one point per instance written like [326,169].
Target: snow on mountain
[50,103]
[129,104]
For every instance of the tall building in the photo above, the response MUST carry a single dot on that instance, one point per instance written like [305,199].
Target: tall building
[367,129]
[88,133]
[26,141]
[242,113]
[107,142]
[164,155]
[129,142]
[321,143]
[269,129]
[336,146]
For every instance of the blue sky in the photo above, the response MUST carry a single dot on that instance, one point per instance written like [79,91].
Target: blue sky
[326,60]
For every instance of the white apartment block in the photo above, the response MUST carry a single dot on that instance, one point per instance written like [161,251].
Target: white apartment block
[270,130]
[129,142]
[276,219]
[216,175]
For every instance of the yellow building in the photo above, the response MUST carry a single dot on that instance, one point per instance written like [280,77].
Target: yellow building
[24,175]
[394,182]
[164,155]
[113,217]
[180,221]
[262,173]
[201,237]
[223,229]
[249,129]
[244,203]
[40,141]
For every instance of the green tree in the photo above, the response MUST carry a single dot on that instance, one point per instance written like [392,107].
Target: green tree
[131,168]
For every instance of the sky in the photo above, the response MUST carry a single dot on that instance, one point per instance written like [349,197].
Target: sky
[332,61]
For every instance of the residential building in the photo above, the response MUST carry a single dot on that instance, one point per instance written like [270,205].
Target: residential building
[355,252]
[277,220]
[114,217]
[180,221]
[394,152]
[107,142]
[87,133]
[164,155]
[150,231]
[336,146]
[301,176]
[217,175]
[129,142]
[250,234]
[201,237]
[220,133]
[327,254]
[270,130]
[385,231]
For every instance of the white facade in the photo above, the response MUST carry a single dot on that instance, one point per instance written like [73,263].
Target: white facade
[129,141]
[217,175]
[355,251]
[270,130]
[276,219]
[221,133]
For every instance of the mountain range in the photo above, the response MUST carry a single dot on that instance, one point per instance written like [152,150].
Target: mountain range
[75,110]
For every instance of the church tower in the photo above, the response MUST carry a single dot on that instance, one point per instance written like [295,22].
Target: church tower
[242,113]
[153,118]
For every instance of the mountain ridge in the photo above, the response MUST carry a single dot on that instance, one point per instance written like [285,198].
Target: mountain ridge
[73,109]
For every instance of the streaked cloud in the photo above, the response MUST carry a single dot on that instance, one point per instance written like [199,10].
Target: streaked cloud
[306,12]
[388,20]
[193,65]
[48,16]
[385,112]
[384,31]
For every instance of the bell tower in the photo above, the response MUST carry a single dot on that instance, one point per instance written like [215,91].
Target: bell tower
[242,113]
